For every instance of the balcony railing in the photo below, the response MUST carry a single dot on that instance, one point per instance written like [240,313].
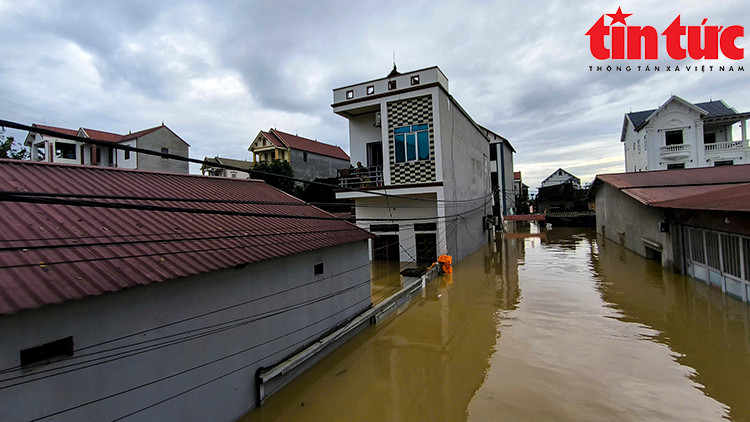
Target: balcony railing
[361,177]
[675,148]
[723,146]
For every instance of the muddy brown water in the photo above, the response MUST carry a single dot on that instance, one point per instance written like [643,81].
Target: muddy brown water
[563,327]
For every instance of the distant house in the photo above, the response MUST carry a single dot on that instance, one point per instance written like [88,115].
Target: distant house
[501,174]
[217,167]
[108,310]
[309,159]
[425,175]
[560,176]
[680,134]
[520,191]
[693,221]
[54,149]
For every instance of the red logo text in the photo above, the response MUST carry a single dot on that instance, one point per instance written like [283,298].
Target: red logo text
[642,42]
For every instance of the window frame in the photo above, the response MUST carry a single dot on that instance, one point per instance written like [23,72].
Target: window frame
[407,141]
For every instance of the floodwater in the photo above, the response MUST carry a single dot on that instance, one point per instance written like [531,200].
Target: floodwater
[560,327]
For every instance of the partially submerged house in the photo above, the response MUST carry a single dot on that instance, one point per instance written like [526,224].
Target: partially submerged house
[501,175]
[308,158]
[226,167]
[160,296]
[680,134]
[425,175]
[55,149]
[693,221]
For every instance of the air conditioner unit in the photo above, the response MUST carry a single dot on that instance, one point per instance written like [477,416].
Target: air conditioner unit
[377,119]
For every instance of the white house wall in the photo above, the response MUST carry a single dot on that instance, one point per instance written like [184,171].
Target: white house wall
[262,335]
[426,209]
[130,163]
[361,132]
[465,164]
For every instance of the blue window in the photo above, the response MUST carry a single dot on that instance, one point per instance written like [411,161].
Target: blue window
[412,143]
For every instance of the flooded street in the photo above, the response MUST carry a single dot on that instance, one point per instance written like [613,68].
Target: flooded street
[560,327]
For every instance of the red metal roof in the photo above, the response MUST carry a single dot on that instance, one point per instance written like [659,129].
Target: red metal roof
[72,132]
[304,144]
[723,188]
[101,135]
[51,253]
[274,140]
[722,198]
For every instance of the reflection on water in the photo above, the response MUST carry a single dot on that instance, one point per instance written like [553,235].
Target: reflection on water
[557,327]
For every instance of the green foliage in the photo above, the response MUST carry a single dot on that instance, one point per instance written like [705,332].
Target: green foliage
[274,167]
[7,150]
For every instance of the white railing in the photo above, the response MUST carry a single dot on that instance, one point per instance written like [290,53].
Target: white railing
[361,177]
[722,146]
[675,148]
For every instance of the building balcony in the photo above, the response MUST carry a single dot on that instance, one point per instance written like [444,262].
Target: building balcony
[361,177]
[726,146]
[675,151]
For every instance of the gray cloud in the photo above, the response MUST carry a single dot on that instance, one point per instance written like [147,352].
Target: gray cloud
[218,73]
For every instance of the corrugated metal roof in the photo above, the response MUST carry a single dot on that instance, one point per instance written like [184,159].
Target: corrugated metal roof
[51,253]
[724,188]
[722,198]
[304,144]
[679,177]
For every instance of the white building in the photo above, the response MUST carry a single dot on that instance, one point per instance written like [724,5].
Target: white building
[560,176]
[217,167]
[56,149]
[422,150]
[680,134]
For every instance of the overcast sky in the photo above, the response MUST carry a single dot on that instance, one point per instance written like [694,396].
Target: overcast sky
[218,72]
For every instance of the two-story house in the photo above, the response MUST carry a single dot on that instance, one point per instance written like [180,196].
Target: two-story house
[308,158]
[560,176]
[501,174]
[54,149]
[680,134]
[424,185]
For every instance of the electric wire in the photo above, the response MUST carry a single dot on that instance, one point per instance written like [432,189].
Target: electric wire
[162,253]
[97,142]
[191,369]
[192,318]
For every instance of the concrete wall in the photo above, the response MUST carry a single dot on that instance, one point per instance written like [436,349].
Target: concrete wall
[424,210]
[503,170]
[361,132]
[155,141]
[626,221]
[465,163]
[316,166]
[132,162]
[247,337]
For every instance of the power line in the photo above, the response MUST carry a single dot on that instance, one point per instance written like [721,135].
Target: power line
[191,318]
[10,196]
[107,144]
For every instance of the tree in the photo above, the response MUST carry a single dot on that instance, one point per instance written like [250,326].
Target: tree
[269,169]
[7,150]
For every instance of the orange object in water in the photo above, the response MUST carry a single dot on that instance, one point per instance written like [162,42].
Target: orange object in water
[445,261]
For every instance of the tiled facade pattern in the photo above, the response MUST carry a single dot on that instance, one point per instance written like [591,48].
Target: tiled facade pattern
[408,112]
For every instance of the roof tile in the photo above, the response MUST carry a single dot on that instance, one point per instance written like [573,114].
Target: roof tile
[52,253]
